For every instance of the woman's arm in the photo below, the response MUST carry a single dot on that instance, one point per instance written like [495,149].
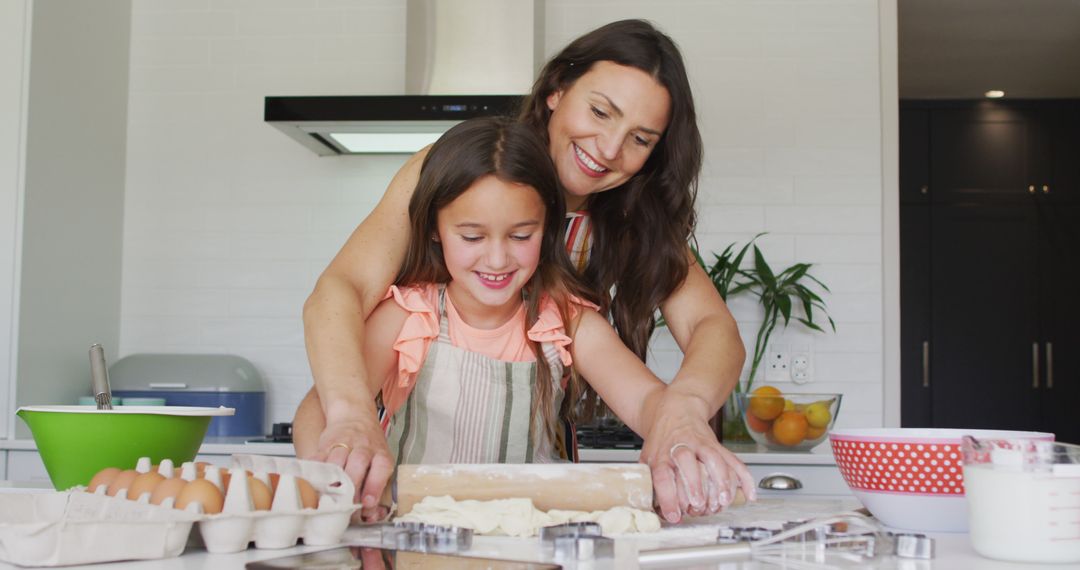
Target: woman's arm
[713,355]
[704,329]
[636,396]
[334,324]
[380,358]
[619,377]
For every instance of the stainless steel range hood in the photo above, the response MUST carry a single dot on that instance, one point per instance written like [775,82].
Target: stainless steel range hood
[464,59]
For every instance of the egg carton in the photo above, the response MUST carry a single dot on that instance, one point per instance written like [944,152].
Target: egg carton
[76,527]
[239,524]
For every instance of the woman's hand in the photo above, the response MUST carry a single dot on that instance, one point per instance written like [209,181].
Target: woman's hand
[354,442]
[359,447]
[692,473]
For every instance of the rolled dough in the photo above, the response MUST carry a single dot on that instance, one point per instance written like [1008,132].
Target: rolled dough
[518,517]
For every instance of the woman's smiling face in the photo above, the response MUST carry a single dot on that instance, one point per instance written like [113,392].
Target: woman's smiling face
[604,127]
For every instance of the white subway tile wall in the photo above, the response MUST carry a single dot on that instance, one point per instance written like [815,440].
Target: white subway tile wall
[229,222]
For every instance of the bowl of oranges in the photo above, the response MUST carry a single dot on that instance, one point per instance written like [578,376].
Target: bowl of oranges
[788,422]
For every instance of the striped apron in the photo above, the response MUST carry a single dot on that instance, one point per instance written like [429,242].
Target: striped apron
[469,408]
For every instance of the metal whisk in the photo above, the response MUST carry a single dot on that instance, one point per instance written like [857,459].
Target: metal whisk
[99,378]
[812,540]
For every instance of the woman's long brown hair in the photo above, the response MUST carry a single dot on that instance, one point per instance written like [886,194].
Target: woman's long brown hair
[642,228]
[513,153]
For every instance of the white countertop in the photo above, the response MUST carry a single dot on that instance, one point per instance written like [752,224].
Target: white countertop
[953,551]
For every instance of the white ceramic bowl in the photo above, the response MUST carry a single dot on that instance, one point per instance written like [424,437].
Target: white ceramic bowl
[911,478]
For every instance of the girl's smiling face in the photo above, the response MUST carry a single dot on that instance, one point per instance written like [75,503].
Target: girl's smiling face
[603,128]
[491,236]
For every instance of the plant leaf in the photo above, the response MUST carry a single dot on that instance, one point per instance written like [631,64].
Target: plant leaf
[783,302]
[822,285]
[811,325]
[764,272]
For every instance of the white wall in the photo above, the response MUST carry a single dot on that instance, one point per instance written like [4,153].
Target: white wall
[14,54]
[228,222]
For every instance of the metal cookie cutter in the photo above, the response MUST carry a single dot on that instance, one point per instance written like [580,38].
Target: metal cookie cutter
[734,534]
[576,541]
[422,537]
[913,546]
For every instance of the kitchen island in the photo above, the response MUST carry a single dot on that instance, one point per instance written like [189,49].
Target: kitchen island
[952,550]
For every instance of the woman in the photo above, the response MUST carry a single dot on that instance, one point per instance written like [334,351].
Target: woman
[616,111]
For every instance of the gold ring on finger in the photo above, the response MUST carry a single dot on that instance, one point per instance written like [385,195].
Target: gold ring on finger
[345,446]
[671,452]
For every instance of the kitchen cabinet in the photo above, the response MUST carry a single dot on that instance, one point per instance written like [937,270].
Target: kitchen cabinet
[13,46]
[989,252]
[26,465]
[63,133]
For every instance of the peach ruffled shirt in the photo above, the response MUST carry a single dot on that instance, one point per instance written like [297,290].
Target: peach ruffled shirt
[507,342]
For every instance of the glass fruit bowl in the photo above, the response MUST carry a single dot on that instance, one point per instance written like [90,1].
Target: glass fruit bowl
[788,422]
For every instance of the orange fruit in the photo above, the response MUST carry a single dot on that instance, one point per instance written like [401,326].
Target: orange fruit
[766,403]
[790,428]
[758,425]
[814,432]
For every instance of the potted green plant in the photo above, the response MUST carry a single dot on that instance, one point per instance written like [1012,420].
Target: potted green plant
[780,294]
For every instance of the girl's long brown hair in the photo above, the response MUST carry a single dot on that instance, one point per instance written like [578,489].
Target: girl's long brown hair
[642,228]
[513,153]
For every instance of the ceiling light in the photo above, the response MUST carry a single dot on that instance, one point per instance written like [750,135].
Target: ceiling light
[384,143]
[995,94]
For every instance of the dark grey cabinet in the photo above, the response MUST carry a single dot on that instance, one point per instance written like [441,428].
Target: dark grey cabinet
[989,265]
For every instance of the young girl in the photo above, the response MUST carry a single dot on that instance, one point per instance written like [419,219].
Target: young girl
[470,351]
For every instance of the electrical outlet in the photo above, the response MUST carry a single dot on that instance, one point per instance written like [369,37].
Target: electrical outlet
[801,369]
[777,363]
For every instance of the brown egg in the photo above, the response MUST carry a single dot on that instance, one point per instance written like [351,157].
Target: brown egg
[103,477]
[261,496]
[309,497]
[200,469]
[203,492]
[144,483]
[122,480]
[167,489]
[274,478]
[225,478]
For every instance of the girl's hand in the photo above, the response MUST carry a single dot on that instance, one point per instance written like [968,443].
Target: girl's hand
[692,473]
[359,447]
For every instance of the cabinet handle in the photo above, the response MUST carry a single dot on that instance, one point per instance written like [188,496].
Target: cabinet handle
[779,482]
[1046,188]
[1031,189]
[1035,365]
[1049,365]
[925,364]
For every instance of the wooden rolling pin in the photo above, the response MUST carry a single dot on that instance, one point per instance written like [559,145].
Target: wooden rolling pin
[566,486]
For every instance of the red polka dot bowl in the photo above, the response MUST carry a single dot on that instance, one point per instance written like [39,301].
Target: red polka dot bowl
[911,478]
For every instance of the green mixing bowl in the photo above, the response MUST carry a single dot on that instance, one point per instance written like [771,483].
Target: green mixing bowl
[75,442]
